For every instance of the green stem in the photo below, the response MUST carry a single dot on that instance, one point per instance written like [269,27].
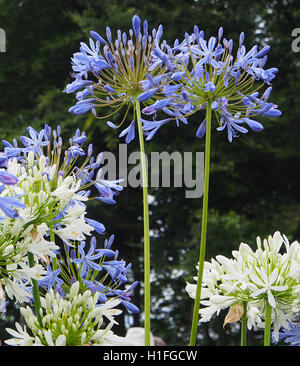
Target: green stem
[54,260]
[146,229]
[267,332]
[35,290]
[244,325]
[203,227]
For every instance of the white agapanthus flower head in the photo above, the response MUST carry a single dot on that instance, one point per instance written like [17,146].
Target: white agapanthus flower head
[268,274]
[73,321]
[45,195]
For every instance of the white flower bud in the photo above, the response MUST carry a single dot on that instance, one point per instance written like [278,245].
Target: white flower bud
[42,163]
[30,158]
[61,340]
[74,290]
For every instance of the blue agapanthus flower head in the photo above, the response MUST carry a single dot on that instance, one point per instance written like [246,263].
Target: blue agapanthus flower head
[204,72]
[96,269]
[110,73]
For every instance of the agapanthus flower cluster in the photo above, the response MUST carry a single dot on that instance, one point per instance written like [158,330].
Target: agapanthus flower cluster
[111,73]
[52,189]
[94,269]
[204,73]
[52,186]
[75,320]
[268,275]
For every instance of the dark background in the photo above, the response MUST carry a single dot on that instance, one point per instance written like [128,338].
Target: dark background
[254,185]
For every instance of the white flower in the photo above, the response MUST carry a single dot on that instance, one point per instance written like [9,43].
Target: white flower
[24,272]
[17,290]
[271,273]
[191,289]
[135,336]
[107,338]
[60,341]
[21,337]
[73,225]
[72,321]
[36,243]
[265,284]
[108,309]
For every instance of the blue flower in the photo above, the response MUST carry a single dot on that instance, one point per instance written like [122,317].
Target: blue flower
[129,132]
[11,150]
[9,204]
[51,278]
[99,228]
[208,52]
[86,260]
[107,189]
[79,137]
[77,84]
[147,94]
[232,125]
[130,307]
[73,152]
[289,335]
[151,127]
[35,143]
[96,286]
[125,298]
[83,106]
[3,160]
[7,178]
[117,269]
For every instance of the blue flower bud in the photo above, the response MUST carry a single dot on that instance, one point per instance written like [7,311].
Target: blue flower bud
[7,178]
[177,75]
[147,95]
[136,24]
[201,129]
[241,41]
[263,51]
[97,36]
[108,34]
[99,228]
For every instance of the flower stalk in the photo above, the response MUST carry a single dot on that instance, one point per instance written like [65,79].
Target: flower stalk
[203,226]
[267,331]
[244,325]
[35,290]
[146,228]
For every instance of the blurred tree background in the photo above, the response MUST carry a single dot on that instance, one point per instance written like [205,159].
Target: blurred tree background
[254,184]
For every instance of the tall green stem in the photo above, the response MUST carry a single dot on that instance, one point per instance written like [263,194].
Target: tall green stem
[203,227]
[54,260]
[35,290]
[244,325]
[146,229]
[267,332]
